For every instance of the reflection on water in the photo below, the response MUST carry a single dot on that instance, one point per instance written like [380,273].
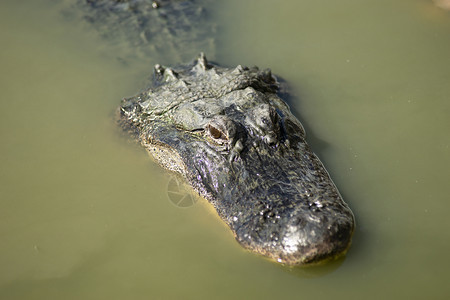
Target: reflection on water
[445,4]
[85,214]
[315,271]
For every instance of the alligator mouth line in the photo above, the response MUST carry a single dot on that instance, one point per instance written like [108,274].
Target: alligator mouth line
[238,145]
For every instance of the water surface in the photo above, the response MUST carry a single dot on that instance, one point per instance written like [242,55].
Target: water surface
[84,214]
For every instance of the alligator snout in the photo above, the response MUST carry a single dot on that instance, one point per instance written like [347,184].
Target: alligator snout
[300,234]
[315,239]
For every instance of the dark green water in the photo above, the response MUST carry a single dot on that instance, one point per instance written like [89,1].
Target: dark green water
[85,215]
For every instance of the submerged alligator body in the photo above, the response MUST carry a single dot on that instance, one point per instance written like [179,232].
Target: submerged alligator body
[174,30]
[237,144]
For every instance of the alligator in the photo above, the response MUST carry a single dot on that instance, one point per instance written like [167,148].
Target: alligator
[139,29]
[228,133]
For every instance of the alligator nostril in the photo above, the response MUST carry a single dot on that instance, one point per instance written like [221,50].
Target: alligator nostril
[334,242]
[313,240]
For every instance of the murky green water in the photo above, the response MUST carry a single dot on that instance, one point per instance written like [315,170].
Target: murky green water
[85,215]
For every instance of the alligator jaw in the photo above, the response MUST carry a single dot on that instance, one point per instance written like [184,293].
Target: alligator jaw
[279,202]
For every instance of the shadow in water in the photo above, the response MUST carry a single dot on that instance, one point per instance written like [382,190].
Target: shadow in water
[315,271]
[285,93]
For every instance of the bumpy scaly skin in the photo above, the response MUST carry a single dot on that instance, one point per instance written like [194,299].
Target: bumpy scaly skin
[239,146]
[167,28]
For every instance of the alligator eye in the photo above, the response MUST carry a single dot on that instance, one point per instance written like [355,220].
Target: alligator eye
[216,133]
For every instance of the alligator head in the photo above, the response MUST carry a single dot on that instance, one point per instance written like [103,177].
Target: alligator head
[238,145]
